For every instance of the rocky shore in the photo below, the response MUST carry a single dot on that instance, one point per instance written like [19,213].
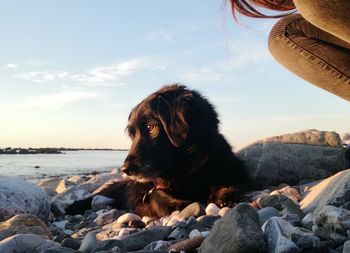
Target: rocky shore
[305,207]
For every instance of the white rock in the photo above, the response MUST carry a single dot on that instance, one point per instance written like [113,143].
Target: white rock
[212,209]
[223,211]
[76,179]
[26,243]
[18,196]
[60,224]
[123,232]
[147,219]
[124,219]
[195,233]
[63,186]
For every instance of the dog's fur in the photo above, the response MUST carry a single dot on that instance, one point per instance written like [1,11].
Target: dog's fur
[177,157]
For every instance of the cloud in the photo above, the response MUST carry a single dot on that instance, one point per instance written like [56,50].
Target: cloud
[99,75]
[53,100]
[11,66]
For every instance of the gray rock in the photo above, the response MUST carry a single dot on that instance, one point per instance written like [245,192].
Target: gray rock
[178,233]
[346,206]
[333,218]
[58,250]
[238,231]
[157,245]
[195,209]
[110,244]
[70,243]
[282,203]
[346,248]
[149,251]
[308,221]
[23,243]
[266,213]
[20,197]
[304,239]
[276,232]
[88,243]
[207,221]
[140,239]
[326,234]
[292,218]
[100,202]
[290,158]
[107,217]
[334,190]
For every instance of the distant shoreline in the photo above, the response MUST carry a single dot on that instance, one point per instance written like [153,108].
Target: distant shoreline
[26,151]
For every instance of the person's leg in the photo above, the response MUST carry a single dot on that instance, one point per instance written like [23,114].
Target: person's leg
[332,16]
[313,54]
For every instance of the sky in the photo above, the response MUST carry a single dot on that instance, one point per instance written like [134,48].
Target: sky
[71,71]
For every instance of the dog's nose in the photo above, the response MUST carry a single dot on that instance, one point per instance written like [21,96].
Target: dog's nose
[125,169]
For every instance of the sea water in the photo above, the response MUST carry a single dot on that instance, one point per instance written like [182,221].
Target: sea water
[34,166]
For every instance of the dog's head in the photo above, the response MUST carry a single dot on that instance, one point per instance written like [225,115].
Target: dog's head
[168,131]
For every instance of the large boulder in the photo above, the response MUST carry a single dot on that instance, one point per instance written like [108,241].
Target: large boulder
[290,158]
[20,197]
[334,190]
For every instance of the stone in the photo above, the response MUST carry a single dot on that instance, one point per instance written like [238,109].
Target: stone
[304,239]
[334,190]
[26,243]
[289,192]
[330,235]
[276,231]
[111,244]
[346,248]
[292,218]
[136,224]
[20,197]
[290,158]
[126,218]
[238,231]
[70,243]
[88,243]
[212,209]
[63,186]
[308,221]
[195,209]
[195,233]
[60,224]
[158,245]
[282,203]
[266,213]
[208,221]
[63,200]
[178,233]
[100,202]
[333,218]
[139,240]
[223,211]
[107,217]
[59,250]
[24,224]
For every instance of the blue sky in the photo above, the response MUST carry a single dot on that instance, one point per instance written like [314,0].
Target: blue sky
[71,71]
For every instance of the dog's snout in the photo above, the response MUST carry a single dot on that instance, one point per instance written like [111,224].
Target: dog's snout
[129,167]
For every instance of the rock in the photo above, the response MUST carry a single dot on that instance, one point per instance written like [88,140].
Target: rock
[334,190]
[282,203]
[195,233]
[136,224]
[178,233]
[304,239]
[108,245]
[20,197]
[88,243]
[75,193]
[346,248]
[107,217]
[24,224]
[70,243]
[208,221]
[140,239]
[223,211]
[330,235]
[212,209]
[238,231]
[63,186]
[195,209]
[188,245]
[100,202]
[292,218]
[289,192]
[126,218]
[308,155]
[26,243]
[333,218]
[60,224]
[276,232]
[266,213]
[58,250]
[157,245]
[308,221]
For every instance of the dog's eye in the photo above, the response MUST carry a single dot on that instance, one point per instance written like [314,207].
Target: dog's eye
[150,127]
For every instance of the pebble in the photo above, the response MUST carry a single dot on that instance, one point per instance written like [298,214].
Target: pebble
[126,218]
[107,217]
[178,233]
[100,202]
[266,213]
[333,218]
[88,243]
[207,221]
[195,209]
[223,211]
[195,233]
[346,248]
[136,224]
[70,243]
[308,221]
[212,209]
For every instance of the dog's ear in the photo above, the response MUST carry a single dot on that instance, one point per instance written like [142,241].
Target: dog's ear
[172,112]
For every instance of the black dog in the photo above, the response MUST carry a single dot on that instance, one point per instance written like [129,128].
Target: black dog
[177,157]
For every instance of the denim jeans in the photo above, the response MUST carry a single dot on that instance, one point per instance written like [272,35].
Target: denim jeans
[315,44]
